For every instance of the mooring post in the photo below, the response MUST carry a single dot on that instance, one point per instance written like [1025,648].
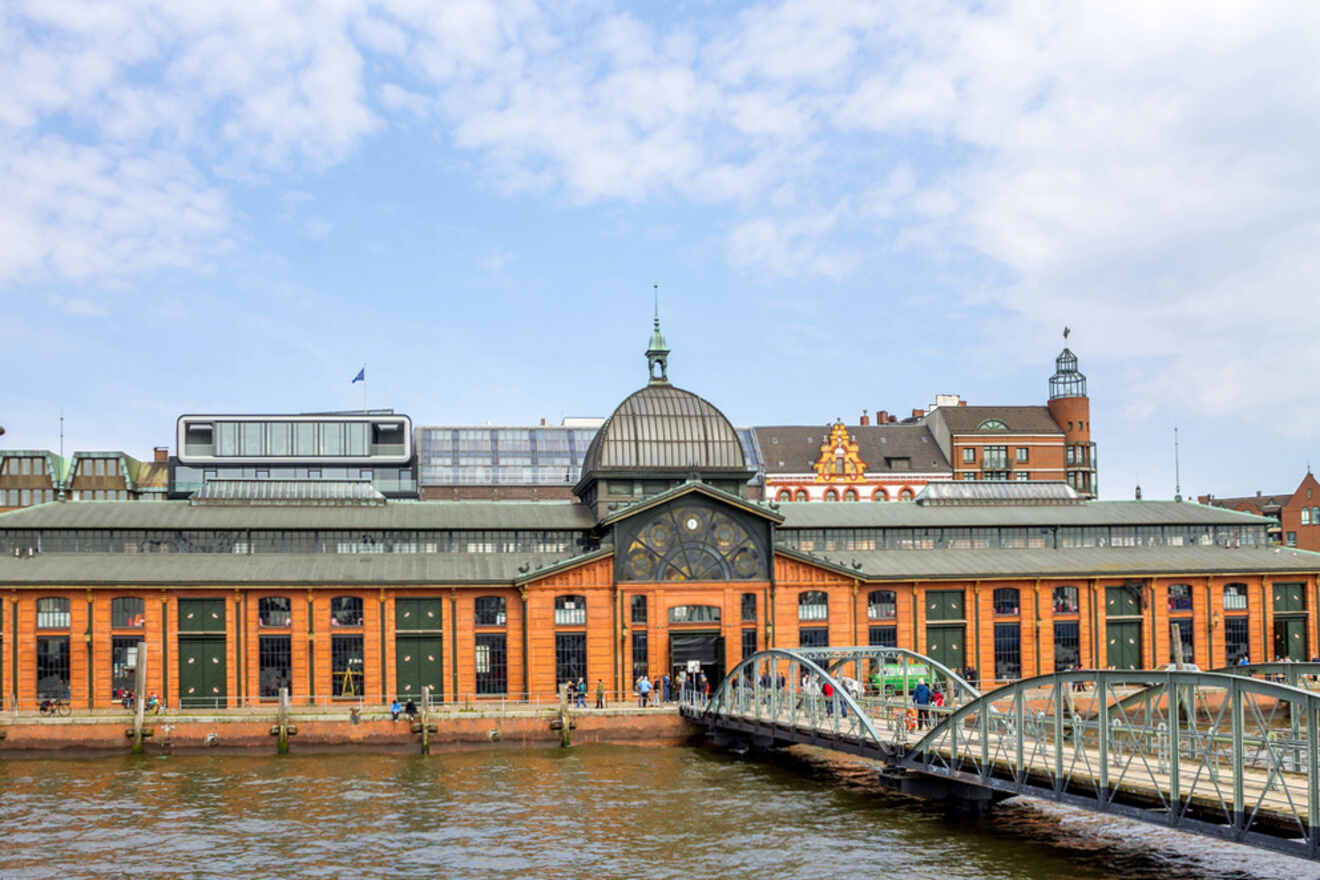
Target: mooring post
[426,719]
[565,721]
[283,729]
[140,703]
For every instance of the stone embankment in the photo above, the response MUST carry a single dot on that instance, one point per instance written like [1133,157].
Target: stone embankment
[365,729]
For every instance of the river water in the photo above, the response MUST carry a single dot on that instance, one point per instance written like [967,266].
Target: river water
[595,812]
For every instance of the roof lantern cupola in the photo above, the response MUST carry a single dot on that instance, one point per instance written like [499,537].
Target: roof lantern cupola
[657,354]
[1067,381]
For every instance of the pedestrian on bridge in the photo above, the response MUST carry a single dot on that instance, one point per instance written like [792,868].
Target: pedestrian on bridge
[921,696]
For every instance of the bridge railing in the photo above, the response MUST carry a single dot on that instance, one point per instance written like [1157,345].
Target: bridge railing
[1228,755]
[877,697]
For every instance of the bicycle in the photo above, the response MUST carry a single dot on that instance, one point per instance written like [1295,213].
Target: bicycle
[56,706]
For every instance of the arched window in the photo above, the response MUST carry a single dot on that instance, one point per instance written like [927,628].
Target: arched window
[1007,600]
[813,605]
[275,611]
[127,612]
[801,495]
[905,495]
[570,610]
[881,605]
[831,495]
[53,613]
[345,611]
[784,495]
[1180,597]
[879,495]
[694,614]
[1235,597]
[1065,600]
[490,610]
[638,610]
[850,495]
[992,425]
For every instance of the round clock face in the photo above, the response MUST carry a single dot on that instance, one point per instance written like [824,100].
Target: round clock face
[692,523]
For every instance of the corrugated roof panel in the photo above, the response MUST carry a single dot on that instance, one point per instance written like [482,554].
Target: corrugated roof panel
[818,515]
[394,515]
[1077,562]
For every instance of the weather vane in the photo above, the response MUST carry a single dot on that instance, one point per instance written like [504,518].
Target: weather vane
[1066,331]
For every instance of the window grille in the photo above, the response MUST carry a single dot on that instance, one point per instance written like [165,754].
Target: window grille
[346,664]
[275,664]
[490,611]
[570,611]
[813,605]
[274,611]
[127,611]
[492,662]
[53,613]
[346,611]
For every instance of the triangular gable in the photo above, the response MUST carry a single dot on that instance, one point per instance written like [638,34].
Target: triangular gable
[765,511]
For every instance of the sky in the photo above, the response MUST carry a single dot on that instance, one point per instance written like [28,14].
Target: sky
[846,206]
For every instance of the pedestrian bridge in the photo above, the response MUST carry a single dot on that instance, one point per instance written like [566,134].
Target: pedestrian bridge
[1232,754]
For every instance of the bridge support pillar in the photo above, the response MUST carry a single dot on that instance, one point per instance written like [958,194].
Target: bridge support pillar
[960,799]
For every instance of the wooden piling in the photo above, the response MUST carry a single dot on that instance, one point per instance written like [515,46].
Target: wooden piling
[565,720]
[426,719]
[283,729]
[140,703]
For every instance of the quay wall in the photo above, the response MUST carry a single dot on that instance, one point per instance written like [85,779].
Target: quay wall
[374,731]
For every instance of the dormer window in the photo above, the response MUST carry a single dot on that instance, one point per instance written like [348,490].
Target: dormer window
[992,425]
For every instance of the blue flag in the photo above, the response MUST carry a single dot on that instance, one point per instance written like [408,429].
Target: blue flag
[361,376]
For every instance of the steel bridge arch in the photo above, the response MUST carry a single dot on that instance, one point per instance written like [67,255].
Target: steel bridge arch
[997,744]
[856,654]
[732,694]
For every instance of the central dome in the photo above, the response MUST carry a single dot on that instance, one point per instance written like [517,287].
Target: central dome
[661,429]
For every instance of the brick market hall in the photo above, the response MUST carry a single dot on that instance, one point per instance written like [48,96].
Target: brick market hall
[353,556]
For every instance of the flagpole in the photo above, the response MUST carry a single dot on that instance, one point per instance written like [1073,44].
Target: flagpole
[364,389]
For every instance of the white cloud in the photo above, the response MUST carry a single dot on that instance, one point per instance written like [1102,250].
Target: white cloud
[78,306]
[1109,159]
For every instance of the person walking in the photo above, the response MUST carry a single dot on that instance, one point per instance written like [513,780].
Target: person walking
[921,696]
[582,693]
[664,687]
[600,693]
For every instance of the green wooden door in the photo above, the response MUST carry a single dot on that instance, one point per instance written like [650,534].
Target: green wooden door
[1290,638]
[1122,602]
[201,615]
[1124,644]
[418,664]
[945,605]
[1289,598]
[202,672]
[945,644]
[417,614]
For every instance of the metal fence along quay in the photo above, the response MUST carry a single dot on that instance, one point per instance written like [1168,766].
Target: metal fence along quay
[1232,754]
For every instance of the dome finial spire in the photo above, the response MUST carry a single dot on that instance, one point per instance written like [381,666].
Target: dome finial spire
[657,354]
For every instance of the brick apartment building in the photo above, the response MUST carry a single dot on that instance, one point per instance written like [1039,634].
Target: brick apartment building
[1295,516]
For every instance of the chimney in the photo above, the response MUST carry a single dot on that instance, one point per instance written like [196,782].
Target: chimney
[882,417]
[893,420]
[866,420]
[1257,493]
[542,421]
[962,403]
[918,413]
[162,453]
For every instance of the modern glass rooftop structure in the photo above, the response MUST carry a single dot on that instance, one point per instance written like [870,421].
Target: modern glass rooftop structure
[516,456]
[340,438]
[246,451]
